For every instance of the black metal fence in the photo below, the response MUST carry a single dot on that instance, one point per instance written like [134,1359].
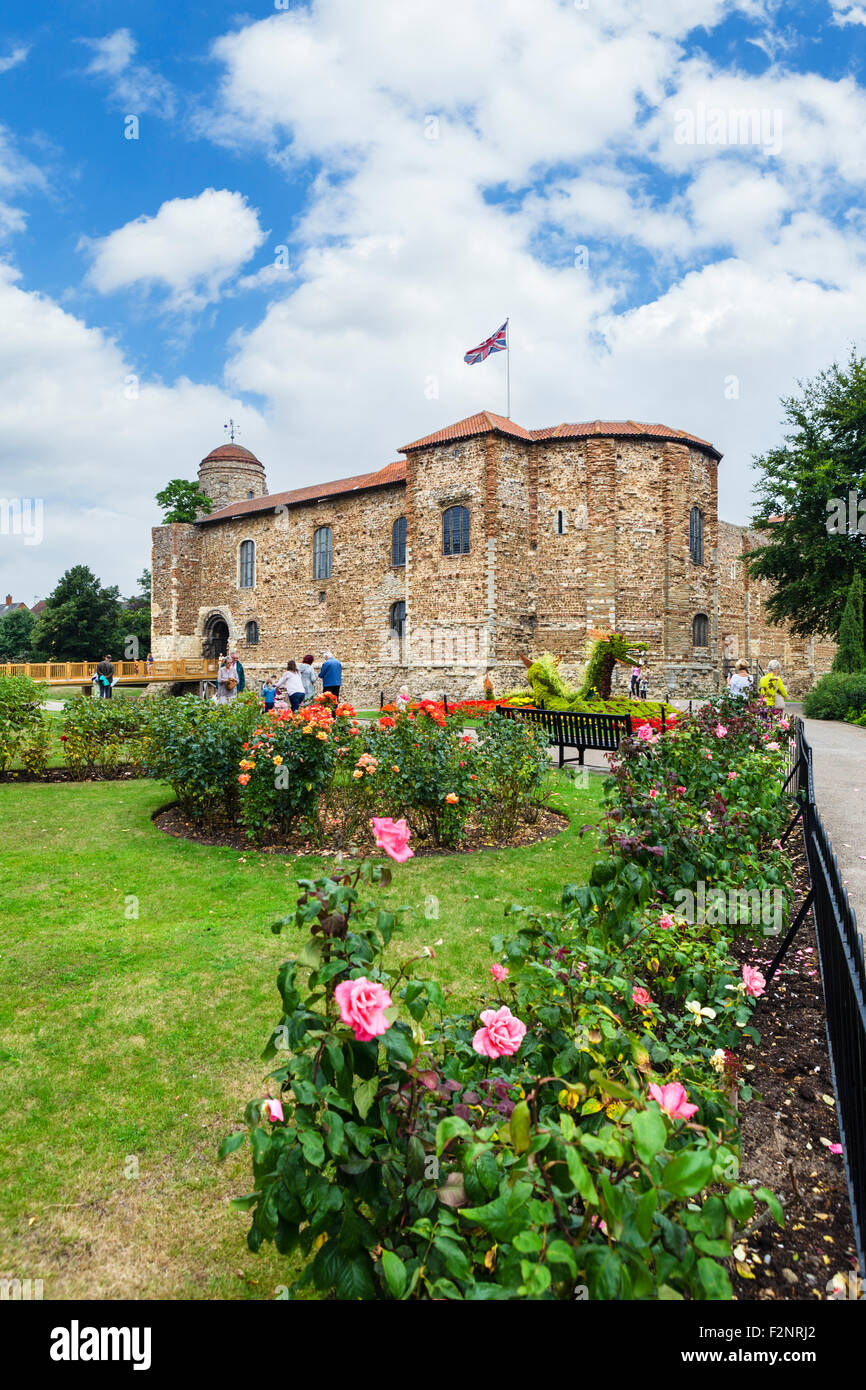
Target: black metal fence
[843,975]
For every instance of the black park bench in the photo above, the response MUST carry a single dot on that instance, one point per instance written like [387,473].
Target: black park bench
[567,730]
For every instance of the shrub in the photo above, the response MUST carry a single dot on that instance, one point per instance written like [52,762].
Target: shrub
[23,727]
[585,1140]
[288,762]
[512,763]
[424,768]
[196,745]
[835,694]
[100,736]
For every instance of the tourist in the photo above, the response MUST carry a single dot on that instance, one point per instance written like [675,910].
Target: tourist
[242,678]
[402,697]
[281,703]
[105,672]
[771,687]
[307,672]
[149,664]
[740,682]
[227,681]
[634,688]
[269,695]
[331,675]
[291,683]
[644,682]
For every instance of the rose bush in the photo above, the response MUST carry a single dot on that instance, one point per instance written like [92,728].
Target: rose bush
[23,727]
[101,736]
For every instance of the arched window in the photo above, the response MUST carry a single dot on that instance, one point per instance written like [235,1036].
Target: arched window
[247,574]
[322,553]
[398,541]
[455,531]
[251,634]
[700,630]
[398,618]
[696,535]
[560,522]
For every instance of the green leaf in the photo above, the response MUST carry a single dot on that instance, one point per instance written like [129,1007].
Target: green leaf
[364,1094]
[450,1128]
[714,1279]
[395,1273]
[650,1132]
[355,1280]
[559,1253]
[688,1173]
[520,1127]
[579,1174]
[314,1149]
[505,1215]
[230,1143]
[773,1203]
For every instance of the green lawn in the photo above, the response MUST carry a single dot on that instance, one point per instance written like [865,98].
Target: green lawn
[129,1045]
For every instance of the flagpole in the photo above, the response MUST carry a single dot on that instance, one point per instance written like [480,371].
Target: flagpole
[508,367]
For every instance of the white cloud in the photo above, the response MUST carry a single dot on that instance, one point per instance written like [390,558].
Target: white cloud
[848,14]
[12,59]
[133,86]
[81,432]
[191,246]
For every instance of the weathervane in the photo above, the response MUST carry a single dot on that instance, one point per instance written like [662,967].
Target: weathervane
[233,429]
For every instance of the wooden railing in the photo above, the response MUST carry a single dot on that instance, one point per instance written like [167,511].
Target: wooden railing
[127,672]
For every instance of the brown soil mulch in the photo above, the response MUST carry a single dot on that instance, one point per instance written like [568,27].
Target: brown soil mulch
[63,774]
[787,1129]
[174,822]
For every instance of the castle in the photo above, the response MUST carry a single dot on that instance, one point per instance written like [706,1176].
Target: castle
[486,541]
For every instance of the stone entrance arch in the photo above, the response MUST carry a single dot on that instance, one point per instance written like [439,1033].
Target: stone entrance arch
[215,636]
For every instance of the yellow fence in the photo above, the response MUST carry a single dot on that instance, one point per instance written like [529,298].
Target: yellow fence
[127,672]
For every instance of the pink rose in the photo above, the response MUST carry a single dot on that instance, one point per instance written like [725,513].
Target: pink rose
[680,791]
[772,747]
[501,1035]
[361,1003]
[666,921]
[653,793]
[498,972]
[274,1110]
[721,730]
[674,1100]
[708,754]
[641,997]
[393,837]
[754,981]
[731,776]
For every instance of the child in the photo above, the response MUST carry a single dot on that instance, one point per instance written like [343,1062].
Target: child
[269,695]
[644,683]
[402,699]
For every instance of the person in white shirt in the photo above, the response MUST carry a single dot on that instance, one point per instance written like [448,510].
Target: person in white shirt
[291,682]
[740,682]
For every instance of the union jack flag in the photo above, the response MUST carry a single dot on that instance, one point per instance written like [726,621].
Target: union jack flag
[498,343]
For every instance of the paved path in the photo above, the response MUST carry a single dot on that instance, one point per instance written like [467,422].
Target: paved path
[839,769]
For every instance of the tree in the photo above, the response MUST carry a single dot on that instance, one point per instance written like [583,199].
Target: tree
[182,501]
[851,655]
[16,635]
[807,486]
[133,629]
[80,619]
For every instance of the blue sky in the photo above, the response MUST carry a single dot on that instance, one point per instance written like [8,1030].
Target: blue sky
[429,168]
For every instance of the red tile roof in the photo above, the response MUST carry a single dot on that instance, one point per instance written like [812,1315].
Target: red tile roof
[486,422]
[384,477]
[231,451]
[483,423]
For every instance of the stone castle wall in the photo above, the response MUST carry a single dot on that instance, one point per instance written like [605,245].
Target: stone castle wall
[618,558]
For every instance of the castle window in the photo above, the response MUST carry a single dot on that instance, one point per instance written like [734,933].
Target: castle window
[250,494]
[322,553]
[398,541]
[560,522]
[251,634]
[455,531]
[700,630]
[696,535]
[398,618]
[247,565]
